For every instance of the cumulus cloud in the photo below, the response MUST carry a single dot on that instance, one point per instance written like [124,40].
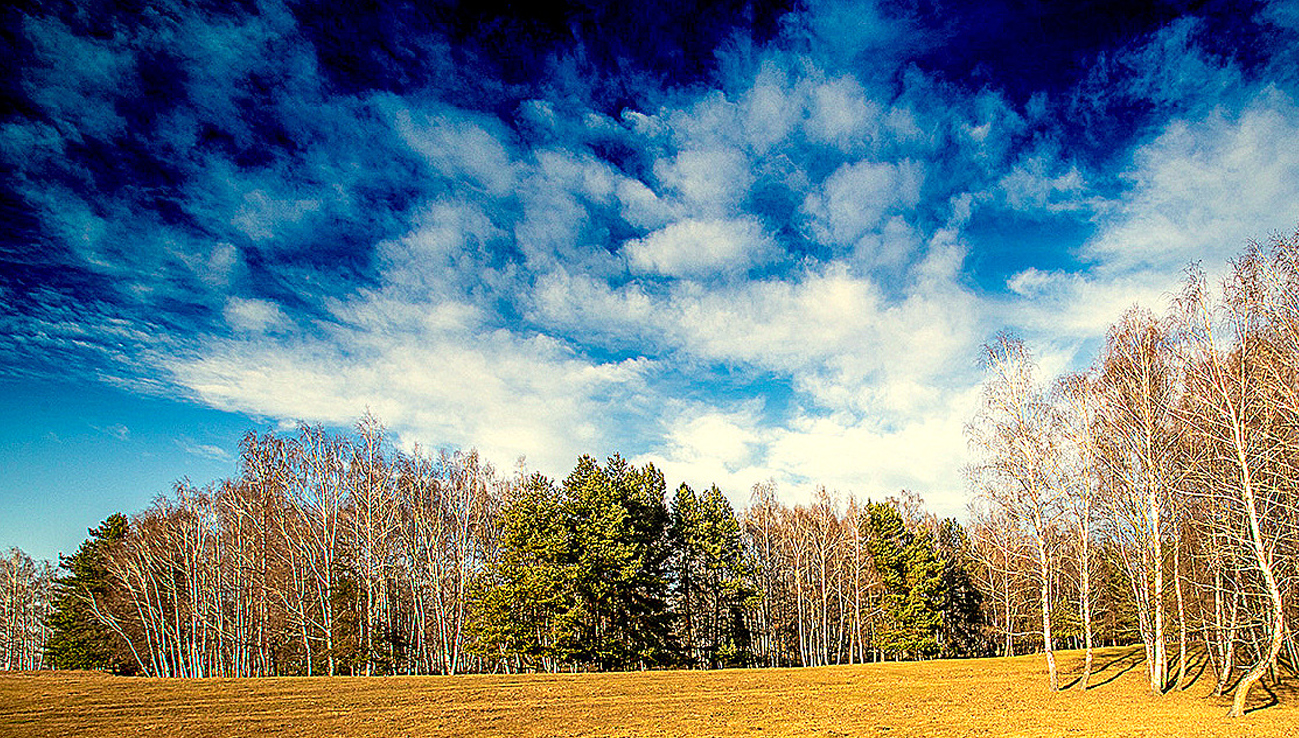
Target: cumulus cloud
[508,396]
[854,199]
[709,181]
[702,248]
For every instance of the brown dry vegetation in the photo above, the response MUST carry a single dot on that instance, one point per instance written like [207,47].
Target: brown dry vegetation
[984,697]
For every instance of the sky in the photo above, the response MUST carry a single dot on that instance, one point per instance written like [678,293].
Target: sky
[742,242]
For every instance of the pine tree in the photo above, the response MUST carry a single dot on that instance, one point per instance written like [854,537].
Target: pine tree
[911,571]
[78,640]
[712,578]
[618,524]
[516,604]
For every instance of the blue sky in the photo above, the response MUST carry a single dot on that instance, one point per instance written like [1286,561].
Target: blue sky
[743,243]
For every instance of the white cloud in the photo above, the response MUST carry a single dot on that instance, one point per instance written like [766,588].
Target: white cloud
[457,147]
[736,450]
[888,248]
[506,394]
[841,115]
[855,198]
[770,110]
[695,248]
[925,454]
[255,316]
[641,207]
[1034,186]
[703,446]
[711,182]
[204,450]
[1197,192]
[1203,188]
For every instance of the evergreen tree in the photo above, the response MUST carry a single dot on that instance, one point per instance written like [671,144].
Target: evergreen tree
[77,639]
[712,579]
[516,603]
[911,571]
[619,551]
[582,576]
[963,623]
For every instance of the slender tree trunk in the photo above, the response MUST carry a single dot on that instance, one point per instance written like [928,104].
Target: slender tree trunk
[1181,619]
[1047,645]
[1229,648]
[1086,597]
[1264,562]
[1159,664]
[1010,626]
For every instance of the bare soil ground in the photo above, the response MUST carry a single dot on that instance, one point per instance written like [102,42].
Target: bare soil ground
[984,697]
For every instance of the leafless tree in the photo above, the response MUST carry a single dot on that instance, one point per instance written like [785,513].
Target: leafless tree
[1138,447]
[1016,435]
[1238,411]
[25,606]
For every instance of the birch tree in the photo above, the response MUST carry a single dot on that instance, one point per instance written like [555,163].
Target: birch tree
[1079,415]
[1139,451]
[1238,412]
[1016,437]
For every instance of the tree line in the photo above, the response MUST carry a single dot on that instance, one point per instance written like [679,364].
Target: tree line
[1158,488]
[335,553]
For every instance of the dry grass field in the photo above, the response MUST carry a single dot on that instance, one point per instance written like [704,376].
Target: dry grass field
[988,697]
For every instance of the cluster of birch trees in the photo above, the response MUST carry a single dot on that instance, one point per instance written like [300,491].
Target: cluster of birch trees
[328,554]
[25,607]
[1159,488]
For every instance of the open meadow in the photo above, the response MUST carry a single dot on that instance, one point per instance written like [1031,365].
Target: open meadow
[982,697]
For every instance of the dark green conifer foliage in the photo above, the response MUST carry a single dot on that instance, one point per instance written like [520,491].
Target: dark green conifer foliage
[912,574]
[713,583]
[618,526]
[78,640]
[582,578]
[964,627]
[515,607]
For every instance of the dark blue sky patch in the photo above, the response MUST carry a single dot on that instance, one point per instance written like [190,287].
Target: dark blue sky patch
[1004,243]
[1024,48]
[621,48]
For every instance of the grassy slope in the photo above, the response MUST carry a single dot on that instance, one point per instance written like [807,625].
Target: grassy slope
[987,697]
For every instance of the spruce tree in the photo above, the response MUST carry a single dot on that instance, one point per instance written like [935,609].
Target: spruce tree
[963,628]
[618,617]
[912,574]
[515,605]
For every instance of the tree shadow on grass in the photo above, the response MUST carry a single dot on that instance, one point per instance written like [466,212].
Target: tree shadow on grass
[1287,690]
[1120,665]
[1197,660]
[1119,659]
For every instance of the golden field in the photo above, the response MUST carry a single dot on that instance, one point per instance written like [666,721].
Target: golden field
[983,697]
